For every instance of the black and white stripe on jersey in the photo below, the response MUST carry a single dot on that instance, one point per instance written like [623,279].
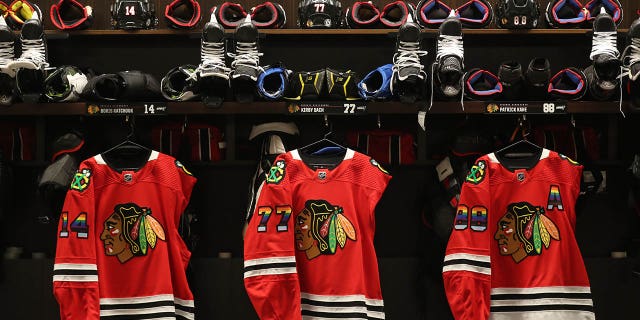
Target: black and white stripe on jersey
[540,299]
[341,307]
[467,262]
[164,306]
[75,272]
[269,266]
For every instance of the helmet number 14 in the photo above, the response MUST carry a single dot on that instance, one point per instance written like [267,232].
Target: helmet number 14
[130,11]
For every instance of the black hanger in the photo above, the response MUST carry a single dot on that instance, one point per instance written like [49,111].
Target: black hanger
[323,153]
[522,154]
[127,155]
[322,143]
[520,149]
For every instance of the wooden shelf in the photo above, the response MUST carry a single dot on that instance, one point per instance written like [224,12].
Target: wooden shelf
[282,108]
[57,34]
[478,107]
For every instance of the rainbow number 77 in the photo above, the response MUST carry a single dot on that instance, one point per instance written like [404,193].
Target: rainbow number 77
[265,215]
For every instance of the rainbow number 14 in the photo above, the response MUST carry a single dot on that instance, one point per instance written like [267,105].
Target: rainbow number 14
[79,225]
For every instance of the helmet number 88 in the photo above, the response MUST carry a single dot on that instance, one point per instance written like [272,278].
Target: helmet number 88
[519,20]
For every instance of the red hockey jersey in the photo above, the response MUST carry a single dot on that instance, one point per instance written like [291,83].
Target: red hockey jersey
[512,254]
[119,254]
[308,250]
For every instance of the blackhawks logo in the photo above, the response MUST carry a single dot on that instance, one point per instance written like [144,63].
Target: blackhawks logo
[276,172]
[130,231]
[321,228]
[477,172]
[81,180]
[524,230]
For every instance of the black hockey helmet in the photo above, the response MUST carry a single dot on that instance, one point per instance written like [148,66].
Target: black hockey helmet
[517,14]
[320,14]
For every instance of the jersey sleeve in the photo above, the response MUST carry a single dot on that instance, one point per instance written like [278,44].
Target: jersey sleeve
[467,262]
[75,274]
[378,179]
[187,182]
[270,275]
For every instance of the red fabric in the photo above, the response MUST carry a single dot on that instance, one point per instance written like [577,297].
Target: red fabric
[563,139]
[296,261]
[167,138]
[18,141]
[386,146]
[204,142]
[94,261]
[488,271]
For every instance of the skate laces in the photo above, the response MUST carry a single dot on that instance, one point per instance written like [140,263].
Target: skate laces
[620,100]
[246,55]
[604,43]
[6,52]
[212,56]
[450,45]
[408,56]
[631,54]
[35,51]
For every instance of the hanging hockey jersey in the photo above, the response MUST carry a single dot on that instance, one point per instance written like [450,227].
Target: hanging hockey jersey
[119,254]
[512,254]
[308,251]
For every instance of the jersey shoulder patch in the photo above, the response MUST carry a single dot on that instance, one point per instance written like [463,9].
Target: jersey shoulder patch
[276,173]
[81,180]
[477,172]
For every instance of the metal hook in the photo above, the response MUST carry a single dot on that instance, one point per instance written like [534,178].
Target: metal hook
[184,124]
[379,123]
[130,119]
[326,120]
[573,121]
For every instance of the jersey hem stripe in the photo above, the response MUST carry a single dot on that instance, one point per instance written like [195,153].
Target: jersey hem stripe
[555,307]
